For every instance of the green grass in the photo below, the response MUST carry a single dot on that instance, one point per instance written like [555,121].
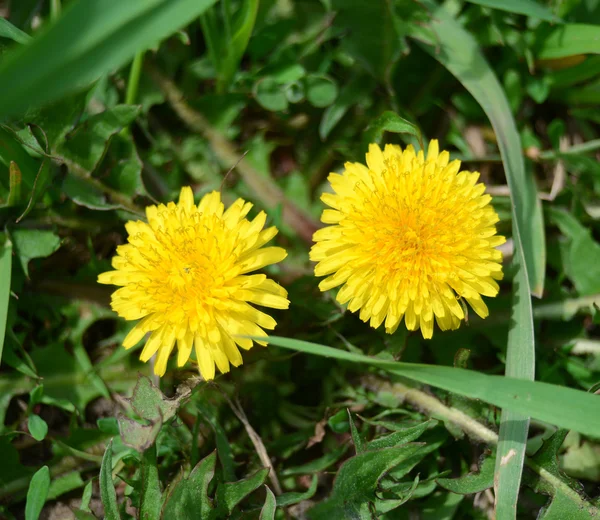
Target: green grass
[108,106]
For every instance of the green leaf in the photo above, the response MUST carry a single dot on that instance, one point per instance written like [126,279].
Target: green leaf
[8,30]
[356,438]
[223,447]
[566,501]
[270,94]
[5,277]
[150,494]
[37,427]
[321,91]
[151,404]
[268,510]
[236,46]
[64,58]
[355,484]
[37,493]
[317,465]
[230,494]
[371,35]
[189,499]
[567,40]
[526,7]
[293,497]
[88,142]
[474,482]
[351,93]
[34,243]
[64,484]
[400,437]
[562,406]
[389,122]
[107,488]
[40,185]
[581,254]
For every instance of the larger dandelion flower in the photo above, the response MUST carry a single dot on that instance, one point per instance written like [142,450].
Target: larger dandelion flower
[185,272]
[410,237]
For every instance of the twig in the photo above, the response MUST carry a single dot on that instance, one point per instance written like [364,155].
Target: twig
[256,440]
[264,188]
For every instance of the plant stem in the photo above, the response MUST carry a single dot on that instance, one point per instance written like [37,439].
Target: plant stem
[133,82]
[264,188]
[55,9]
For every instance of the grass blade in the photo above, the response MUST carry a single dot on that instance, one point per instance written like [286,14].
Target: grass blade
[458,51]
[5,276]
[526,7]
[91,38]
[569,40]
[562,406]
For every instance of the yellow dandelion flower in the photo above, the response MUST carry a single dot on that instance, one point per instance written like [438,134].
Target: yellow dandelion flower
[185,275]
[409,237]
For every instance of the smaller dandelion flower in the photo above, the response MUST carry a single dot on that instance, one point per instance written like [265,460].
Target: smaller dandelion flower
[185,274]
[410,235]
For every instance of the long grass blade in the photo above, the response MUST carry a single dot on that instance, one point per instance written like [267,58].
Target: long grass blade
[5,277]
[89,39]
[458,51]
[558,405]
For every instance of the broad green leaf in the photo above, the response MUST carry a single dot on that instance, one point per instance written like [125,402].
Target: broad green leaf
[37,493]
[64,484]
[268,510]
[91,38]
[37,427]
[236,46]
[270,94]
[527,7]
[441,506]
[150,494]
[107,488]
[230,494]
[189,499]
[566,501]
[5,277]
[581,254]
[150,403]
[8,30]
[34,243]
[355,484]
[87,143]
[567,40]
[562,406]
[321,91]
[472,482]
[293,497]
[371,35]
